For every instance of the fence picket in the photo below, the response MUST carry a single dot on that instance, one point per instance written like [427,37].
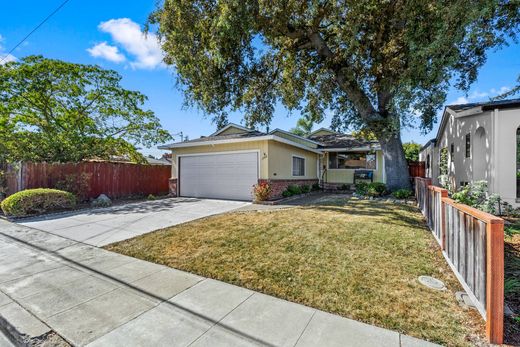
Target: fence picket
[473,245]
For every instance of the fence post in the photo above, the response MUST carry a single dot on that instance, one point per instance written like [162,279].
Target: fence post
[444,194]
[495,281]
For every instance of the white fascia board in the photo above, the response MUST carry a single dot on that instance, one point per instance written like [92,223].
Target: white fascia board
[248,139]
[294,135]
[294,144]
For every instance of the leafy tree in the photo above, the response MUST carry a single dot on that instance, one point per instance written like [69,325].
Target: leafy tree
[303,126]
[374,64]
[411,151]
[56,111]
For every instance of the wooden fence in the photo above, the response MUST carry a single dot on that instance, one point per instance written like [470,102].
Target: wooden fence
[472,242]
[417,168]
[114,179]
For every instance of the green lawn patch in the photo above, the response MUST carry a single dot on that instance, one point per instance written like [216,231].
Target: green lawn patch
[356,258]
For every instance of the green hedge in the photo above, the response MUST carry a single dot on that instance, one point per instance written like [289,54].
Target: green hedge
[37,201]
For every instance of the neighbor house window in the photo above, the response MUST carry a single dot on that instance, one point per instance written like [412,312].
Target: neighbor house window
[452,152]
[428,161]
[468,145]
[352,160]
[298,166]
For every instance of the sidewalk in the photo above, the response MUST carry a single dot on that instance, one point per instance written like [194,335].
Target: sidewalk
[92,297]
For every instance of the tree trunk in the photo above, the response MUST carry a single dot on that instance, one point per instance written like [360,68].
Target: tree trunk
[396,166]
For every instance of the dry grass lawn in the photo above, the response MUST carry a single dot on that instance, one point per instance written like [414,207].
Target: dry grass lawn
[356,258]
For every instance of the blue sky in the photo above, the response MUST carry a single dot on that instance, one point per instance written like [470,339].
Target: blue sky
[106,33]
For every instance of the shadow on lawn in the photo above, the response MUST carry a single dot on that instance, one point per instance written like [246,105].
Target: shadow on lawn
[392,213]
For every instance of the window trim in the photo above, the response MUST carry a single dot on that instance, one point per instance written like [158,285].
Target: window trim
[292,165]
[342,169]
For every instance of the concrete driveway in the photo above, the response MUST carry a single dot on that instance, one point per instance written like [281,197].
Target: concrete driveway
[99,227]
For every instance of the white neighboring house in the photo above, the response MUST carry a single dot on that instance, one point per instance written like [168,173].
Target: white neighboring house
[482,141]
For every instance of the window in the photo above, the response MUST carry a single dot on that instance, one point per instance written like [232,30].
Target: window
[468,145]
[452,152]
[428,161]
[298,166]
[352,160]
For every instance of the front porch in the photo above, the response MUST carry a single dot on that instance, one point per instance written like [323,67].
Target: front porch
[338,168]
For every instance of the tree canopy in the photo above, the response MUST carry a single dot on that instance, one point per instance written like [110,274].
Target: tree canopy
[303,126]
[57,111]
[411,151]
[376,65]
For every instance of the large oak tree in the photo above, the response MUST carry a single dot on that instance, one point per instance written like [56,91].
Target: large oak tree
[377,65]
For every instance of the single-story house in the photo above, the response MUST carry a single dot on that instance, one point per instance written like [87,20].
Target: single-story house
[479,141]
[228,163]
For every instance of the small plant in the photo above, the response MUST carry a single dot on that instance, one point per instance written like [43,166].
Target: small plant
[286,194]
[305,189]
[151,197]
[511,286]
[402,193]
[361,188]
[262,191]
[315,187]
[37,201]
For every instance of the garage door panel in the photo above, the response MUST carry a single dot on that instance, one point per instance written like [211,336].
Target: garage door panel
[221,176]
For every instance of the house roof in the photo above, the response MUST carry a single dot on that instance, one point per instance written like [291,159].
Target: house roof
[322,130]
[488,105]
[331,141]
[343,141]
[232,125]
[473,108]
[427,144]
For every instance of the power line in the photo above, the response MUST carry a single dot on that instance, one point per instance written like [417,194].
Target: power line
[36,28]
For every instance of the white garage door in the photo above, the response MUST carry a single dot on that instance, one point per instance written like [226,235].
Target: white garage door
[219,176]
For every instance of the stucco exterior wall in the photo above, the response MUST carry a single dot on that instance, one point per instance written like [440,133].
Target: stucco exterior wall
[261,146]
[347,175]
[477,166]
[431,169]
[493,151]
[280,161]
[507,123]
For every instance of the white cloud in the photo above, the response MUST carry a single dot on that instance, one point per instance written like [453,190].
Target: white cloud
[460,100]
[4,57]
[478,95]
[145,50]
[105,51]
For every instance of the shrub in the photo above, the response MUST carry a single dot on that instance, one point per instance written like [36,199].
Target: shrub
[262,191]
[402,193]
[294,190]
[361,188]
[376,189]
[77,184]
[286,194]
[151,197]
[316,186]
[476,195]
[305,189]
[37,201]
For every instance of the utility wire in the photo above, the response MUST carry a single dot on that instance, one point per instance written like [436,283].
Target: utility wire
[36,28]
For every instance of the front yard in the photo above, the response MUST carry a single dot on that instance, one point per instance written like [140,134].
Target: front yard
[356,258]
